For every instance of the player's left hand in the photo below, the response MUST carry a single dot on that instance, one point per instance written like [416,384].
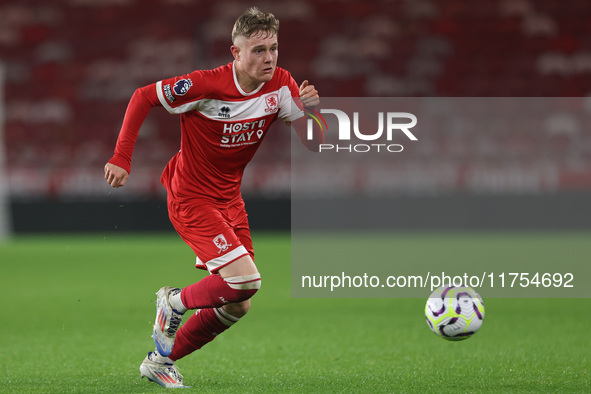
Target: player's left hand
[309,95]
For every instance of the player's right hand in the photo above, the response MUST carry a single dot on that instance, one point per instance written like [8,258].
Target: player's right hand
[115,175]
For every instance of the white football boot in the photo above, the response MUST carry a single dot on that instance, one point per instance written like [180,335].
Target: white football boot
[165,374]
[167,322]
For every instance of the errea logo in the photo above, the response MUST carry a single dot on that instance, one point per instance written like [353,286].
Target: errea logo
[224,112]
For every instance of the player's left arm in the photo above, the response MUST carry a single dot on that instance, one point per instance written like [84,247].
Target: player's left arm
[309,95]
[309,98]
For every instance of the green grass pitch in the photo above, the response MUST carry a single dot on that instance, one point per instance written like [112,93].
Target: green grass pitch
[77,314]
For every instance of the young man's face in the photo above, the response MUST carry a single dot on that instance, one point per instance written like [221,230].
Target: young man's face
[256,58]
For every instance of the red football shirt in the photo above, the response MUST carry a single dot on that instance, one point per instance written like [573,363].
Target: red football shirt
[221,128]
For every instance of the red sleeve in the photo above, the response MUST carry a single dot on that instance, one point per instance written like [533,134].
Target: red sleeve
[141,102]
[291,107]
[183,93]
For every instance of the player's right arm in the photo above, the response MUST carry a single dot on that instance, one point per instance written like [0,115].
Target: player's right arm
[118,168]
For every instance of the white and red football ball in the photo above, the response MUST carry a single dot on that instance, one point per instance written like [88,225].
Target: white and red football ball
[454,312]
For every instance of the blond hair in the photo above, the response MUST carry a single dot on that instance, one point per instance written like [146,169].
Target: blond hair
[254,21]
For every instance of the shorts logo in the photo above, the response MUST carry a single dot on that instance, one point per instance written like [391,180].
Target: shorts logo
[221,242]
[181,87]
[272,102]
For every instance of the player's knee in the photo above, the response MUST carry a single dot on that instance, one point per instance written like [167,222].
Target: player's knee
[244,287]
[238,309]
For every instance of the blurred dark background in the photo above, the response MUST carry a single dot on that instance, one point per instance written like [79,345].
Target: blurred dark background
[70,67]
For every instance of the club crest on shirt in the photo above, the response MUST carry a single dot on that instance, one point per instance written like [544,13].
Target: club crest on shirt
[272,102]
[182,86]
[221,242]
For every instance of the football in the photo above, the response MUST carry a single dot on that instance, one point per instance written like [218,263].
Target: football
[454,313]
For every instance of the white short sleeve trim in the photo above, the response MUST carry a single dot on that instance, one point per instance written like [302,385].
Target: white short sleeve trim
[162,98]
[289,110]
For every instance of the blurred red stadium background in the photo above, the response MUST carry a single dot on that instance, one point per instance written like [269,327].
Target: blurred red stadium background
[72,65]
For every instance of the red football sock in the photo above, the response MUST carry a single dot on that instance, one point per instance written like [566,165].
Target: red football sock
[213,291]
[199,329]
